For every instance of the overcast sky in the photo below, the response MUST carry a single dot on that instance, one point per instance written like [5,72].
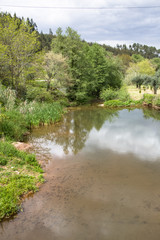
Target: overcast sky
[113,26]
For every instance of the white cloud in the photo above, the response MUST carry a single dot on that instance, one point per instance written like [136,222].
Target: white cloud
[115,26]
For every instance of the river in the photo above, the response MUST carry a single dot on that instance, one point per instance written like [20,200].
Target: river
[102,171]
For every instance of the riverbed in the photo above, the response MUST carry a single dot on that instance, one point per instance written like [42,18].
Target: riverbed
[102,171]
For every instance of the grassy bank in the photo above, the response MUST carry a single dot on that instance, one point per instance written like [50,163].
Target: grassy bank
[17,122]
[119,98]
[20,173]
[130,97]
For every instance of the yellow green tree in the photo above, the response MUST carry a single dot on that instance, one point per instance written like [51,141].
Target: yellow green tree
[18,47]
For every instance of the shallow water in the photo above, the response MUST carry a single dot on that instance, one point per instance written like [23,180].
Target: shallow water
[102,179]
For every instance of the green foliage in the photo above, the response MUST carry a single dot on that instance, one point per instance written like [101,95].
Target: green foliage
[36,113]
[148,98]
[92,69]
[111,94]
[123,94]
[18,47]
[116,103]
[137,58]
[141,79]
[15,178]
[7,97]
[56,69]
[154,81]
[38,94]
[156,101]
[145,67]
[156,63]
[120,103]
[81,97]
[13,125]
[17,123]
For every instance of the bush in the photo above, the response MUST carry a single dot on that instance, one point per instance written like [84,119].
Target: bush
[81,97]
[120,103]
[148,98]
[156,101]
[13,125]
[108,94]
[7,97]
[37,113]
[119,94]
[38,94]
[116,103]
[123,94]
[16,123]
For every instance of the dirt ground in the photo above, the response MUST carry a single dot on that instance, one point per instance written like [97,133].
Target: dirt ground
[134,92]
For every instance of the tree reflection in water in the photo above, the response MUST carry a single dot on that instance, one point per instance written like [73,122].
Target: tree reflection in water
[73,130]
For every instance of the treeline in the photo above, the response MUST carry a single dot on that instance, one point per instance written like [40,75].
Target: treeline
[136,48]
[67,63]
[70,68]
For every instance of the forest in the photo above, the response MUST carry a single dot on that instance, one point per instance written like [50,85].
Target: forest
[42,74]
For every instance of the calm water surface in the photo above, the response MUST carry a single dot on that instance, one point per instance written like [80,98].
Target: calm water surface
[102,171]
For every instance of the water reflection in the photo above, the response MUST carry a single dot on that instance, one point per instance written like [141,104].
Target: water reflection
[93,129]
[70,135]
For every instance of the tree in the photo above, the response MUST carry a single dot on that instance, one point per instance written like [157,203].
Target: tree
[156,63]
[91,68]
[18,47]
[56,69]
[141,79]
[145,67]
[137,58]
[154,81]
[136,70]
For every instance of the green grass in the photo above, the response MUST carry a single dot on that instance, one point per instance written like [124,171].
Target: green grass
[19,174]
[148,98]
[119,103]
[17,122]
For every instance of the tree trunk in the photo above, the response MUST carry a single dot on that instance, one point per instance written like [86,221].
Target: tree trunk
[155,90]
[48,85]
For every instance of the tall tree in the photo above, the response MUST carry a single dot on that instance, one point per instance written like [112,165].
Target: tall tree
[56,69]
[18,45]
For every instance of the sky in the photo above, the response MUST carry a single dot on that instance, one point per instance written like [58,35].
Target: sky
[109,22]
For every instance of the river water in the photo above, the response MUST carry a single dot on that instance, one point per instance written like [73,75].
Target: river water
[102,171]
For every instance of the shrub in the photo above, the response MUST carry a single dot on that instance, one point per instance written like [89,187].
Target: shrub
[7,97]
[13,125]
[111,94]
[38,94]
[156,101]
[120,103]
[81,97]
[16,123]
[148,98]
[108,94]
[116,103]
[123,94]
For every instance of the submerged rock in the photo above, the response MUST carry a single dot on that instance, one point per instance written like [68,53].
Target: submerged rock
[22,146]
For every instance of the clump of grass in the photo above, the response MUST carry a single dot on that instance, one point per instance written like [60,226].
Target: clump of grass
[115,94]
[119,103]
[19,174]
[156,101]
[118,98]
[148,98]
[17,122]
